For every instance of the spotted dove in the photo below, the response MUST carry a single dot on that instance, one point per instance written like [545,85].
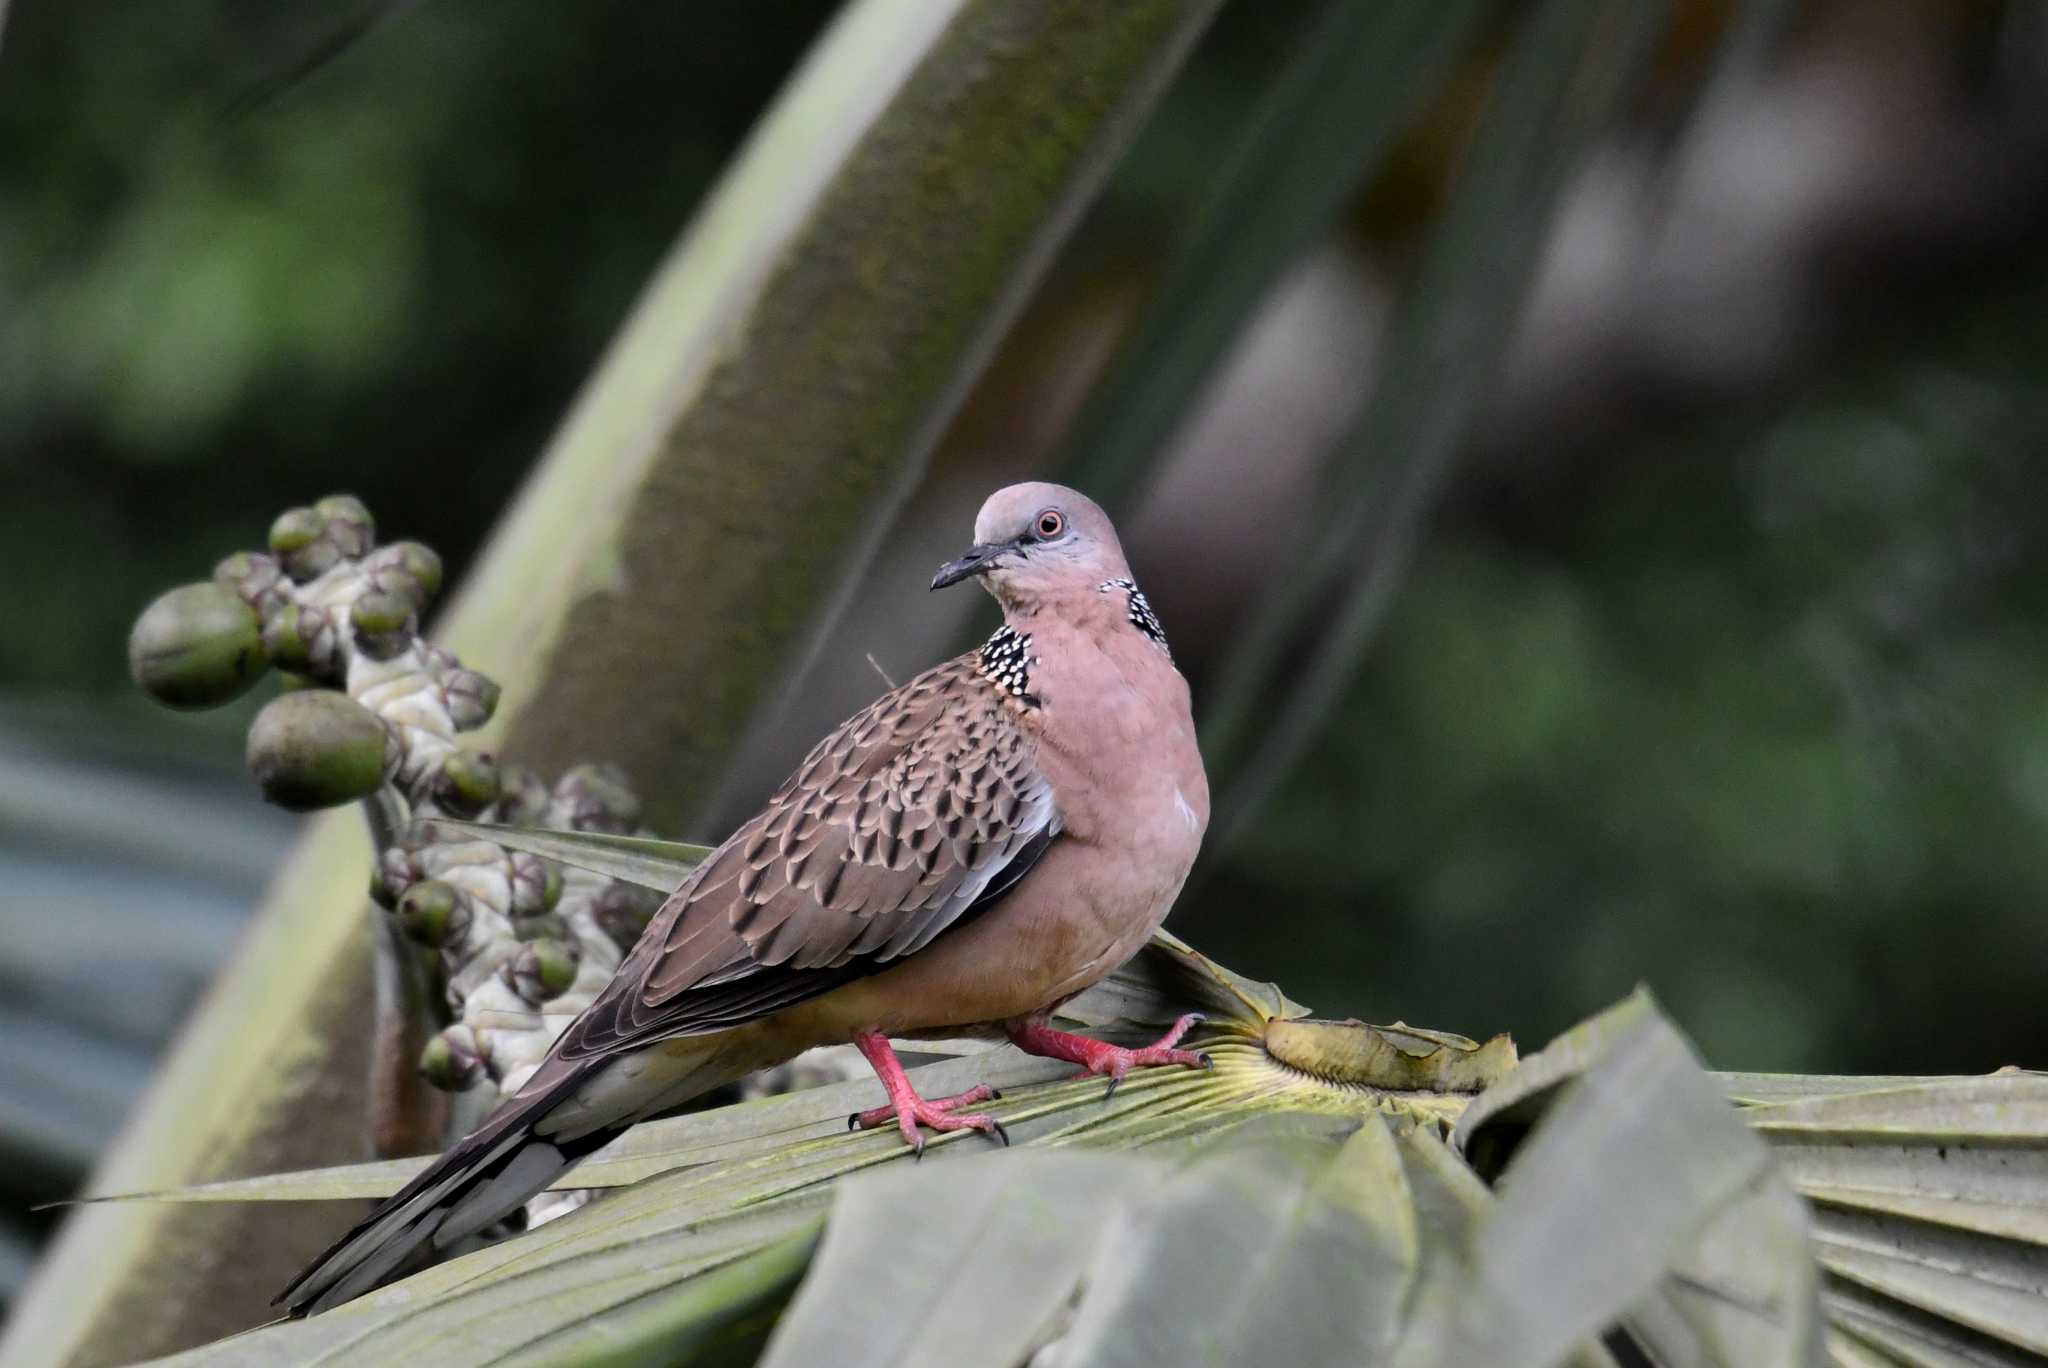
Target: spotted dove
[961,857]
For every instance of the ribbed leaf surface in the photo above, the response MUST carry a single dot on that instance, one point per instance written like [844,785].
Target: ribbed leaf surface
[1251,1211]
[1930,1212]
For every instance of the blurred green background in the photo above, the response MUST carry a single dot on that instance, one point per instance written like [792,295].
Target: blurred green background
[1721,666]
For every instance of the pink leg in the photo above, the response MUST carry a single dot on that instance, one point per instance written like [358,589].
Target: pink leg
[911,1111]
[882,1115]
[1033,1036]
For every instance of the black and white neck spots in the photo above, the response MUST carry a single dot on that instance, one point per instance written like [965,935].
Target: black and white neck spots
[1139,610]
[1006,662]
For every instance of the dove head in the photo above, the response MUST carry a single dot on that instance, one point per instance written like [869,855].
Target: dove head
[1038,542]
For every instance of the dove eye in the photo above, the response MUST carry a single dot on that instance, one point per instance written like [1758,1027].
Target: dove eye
[1050,524]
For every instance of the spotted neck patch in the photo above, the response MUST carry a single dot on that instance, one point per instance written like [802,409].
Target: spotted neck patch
[1139,609]
[1006,662]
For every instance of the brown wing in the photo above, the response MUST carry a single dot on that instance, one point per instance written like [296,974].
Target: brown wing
[913,814]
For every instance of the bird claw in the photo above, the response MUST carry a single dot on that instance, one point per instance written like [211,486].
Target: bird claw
[912,1114]
[1098,1059]
[915,1114]
[887,1112]
[1185,1023]
[1116,1061]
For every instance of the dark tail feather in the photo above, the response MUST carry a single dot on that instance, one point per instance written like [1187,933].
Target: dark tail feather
[482,1178]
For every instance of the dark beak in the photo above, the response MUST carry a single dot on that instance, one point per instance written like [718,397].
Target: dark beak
[978,559]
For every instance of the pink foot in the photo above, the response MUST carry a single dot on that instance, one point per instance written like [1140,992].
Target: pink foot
[882,1115]
[910,1111]
[1103,1060]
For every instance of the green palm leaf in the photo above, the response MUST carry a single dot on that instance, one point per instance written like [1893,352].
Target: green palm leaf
[1132,1225]
[1260,1208]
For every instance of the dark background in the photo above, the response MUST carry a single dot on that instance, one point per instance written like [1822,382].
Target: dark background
[1723,666]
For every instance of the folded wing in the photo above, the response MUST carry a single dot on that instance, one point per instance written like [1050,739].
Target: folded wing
[912,816]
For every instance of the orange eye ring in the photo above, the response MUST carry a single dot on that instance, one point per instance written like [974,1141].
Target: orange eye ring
[1049,524]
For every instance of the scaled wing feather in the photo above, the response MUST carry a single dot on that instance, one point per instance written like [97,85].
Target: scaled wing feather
[914,814]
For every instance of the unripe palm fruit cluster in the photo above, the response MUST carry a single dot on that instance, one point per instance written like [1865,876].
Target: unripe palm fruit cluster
[517,944]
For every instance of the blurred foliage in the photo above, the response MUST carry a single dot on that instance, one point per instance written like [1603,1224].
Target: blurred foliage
[1757,714]
[225,286]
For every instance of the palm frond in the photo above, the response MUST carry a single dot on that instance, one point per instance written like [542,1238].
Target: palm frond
[1257,1207]
[1930,1213]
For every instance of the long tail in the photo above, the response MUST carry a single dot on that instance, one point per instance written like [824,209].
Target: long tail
[482,1178]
